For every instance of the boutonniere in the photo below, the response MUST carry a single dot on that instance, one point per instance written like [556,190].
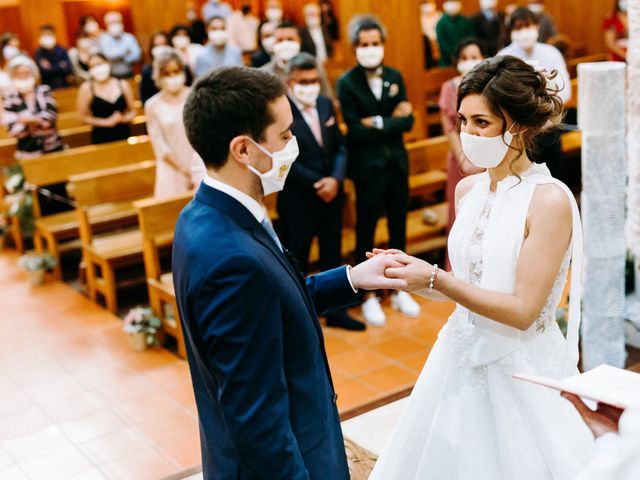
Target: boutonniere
[394,90]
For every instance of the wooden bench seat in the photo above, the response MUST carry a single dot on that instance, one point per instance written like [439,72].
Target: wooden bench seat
[427,182]
[118,248]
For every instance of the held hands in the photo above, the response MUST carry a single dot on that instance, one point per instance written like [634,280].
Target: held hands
[601,421]
[327,189]
[415,273]
[370,275]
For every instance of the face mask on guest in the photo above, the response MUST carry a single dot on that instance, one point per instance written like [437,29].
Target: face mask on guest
[10,51]
[174,83]
[536,8]
[273,180]
[115,29]
[307,94]
[25,85]
[158,49]
[180,41]
[91,27]
[101,72]
[525,37]
[452,8]
[274,15]
[488,4]
[370,57]
[218,37]
[427,8]
[622,5]
[486,152]
[268,43]
[465,66]
[313,21]
[286,50]
[48,42]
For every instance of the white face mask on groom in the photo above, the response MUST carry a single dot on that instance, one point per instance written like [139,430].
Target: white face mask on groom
[274,179]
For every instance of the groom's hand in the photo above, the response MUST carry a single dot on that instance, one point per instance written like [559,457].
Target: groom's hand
[370,275]
[601,421]
[415,272]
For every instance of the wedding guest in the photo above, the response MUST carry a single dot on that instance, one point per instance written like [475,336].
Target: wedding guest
[243,29]
[52,59]
[215,8]
[159,41]
[545,21]
[173,152]
[180,39]
[616,32]
[315,38]
[119,47]
[267,40]
[329,20]
[429,18]
[452,28]
[197,26]
[9,49]
[106,103]
[79,55]
[218,53]
[91,28]
[273,12]
[489,25]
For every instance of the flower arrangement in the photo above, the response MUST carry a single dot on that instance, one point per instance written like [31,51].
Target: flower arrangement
[35,262]
[143,325]
[19,198]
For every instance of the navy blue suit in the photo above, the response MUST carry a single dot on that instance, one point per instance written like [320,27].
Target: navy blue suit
[262,384]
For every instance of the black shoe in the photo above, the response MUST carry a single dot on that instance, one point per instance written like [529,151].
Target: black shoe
[342,319]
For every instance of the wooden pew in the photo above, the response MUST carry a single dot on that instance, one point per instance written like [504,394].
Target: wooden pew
[573,102]
[104,254]
[432,81]
[427,165]
[56,168]
[67,98]
[157,219]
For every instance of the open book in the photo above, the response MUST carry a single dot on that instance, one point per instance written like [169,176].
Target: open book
[605,384]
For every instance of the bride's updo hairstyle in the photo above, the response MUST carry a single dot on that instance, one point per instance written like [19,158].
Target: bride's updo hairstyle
[511,86]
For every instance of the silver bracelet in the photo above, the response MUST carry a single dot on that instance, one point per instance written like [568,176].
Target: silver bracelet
[434,276]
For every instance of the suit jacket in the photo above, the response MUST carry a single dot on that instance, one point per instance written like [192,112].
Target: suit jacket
[309,46]
[262,385]
[491,32]
[371,149]
[315,161]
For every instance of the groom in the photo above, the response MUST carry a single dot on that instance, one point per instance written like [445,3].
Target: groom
[266,402]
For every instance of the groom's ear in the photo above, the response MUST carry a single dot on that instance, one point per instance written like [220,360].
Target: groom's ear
[239,149]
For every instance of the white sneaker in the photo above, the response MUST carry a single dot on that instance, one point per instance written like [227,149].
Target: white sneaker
[373,313]
[403,303]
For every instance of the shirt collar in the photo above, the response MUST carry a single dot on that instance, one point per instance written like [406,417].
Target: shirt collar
[255,208]
[374,73]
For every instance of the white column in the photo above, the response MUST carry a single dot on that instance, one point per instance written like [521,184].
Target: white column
[601,117]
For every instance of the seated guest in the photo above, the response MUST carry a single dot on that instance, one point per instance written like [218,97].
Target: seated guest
[159,42]
[79,56]
[30,111]
[489,25]
[546,24]
[616,32]
[173,151]
[311,203]
[315,38]
[243,29]
[106,103]
[52,59]
[119,47]
[180,39]
[267,40]
[218,53]
[452,28]
[215,8]
[287,45]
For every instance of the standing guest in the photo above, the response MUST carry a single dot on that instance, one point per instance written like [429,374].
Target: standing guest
[79,56]
[526,46]
[329,20]
[197,26]
[489,25]
[52,59]
[451,30]
[159,42]
[215,8]
[377,113]
[180,39]
[119,47]
[470,52]
[311,203]
[616,32]
[172,150]
[545,21]
[429,18]
[218,53]
[287,45]
[90,26]
[273,12]
[243,29]
[106,103]
[315,38]
[9,49]
[267,41]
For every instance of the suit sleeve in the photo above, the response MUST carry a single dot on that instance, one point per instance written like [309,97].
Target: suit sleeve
[393,126]
[240,321]
[331,290]
[357,132]
[302,175]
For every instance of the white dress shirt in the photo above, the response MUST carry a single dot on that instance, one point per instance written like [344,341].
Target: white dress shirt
[549,58]
[307,112]
[256,209]
[318,39]
[375,83]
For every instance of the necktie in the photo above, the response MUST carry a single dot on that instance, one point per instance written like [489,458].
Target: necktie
[314,123]
[272,233]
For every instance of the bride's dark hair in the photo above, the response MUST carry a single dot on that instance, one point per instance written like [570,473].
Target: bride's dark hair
[511,86]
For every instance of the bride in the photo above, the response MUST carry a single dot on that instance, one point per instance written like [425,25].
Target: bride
[517,229]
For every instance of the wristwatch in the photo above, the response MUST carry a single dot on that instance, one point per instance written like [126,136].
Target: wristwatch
[378,123]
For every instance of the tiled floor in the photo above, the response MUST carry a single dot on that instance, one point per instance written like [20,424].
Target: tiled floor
[77,403]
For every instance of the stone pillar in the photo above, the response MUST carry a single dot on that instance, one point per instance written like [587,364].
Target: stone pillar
[601,118]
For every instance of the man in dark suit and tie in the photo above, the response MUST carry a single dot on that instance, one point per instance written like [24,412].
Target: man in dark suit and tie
[266,403]
[375,108]
[311,203]
[315,38]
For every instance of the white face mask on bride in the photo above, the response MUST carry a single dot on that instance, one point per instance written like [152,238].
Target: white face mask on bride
[486,152]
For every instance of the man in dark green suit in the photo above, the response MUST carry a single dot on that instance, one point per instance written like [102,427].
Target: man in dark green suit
[375,108]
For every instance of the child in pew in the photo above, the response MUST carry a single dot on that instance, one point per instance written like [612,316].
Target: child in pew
[106,103]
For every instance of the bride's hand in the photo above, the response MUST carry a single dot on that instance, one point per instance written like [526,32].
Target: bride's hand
[415,272]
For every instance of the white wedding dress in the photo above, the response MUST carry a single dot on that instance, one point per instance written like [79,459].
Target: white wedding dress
[467,418]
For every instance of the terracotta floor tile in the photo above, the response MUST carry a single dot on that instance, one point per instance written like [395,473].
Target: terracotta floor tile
[139,410]
[60,388]
[339,376]
[125,390]
[45,372]
[390,379]
[428,335]
[357,362]
[13,473]
[174,373]
[336,345]
[76,406]
[158,429]
[56,466]
[415,362]
[183,450]
[33,445]
[399,347]
[120,443]
[90,474]
[149,464]
[91,426]
[30,419]
[354,393]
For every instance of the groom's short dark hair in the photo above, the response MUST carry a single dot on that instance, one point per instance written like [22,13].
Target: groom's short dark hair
[225,103]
